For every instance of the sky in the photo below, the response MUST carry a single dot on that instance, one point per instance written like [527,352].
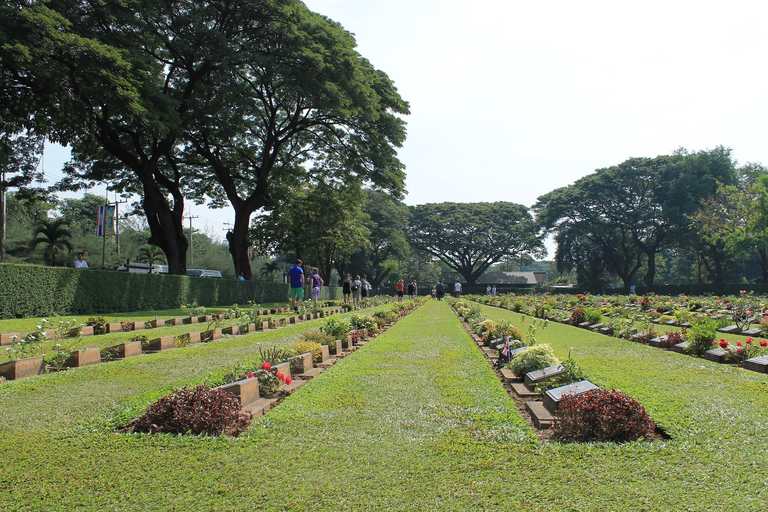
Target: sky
[510,100]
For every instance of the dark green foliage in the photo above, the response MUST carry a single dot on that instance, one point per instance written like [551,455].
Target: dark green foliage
[198,410]
[601,415]
[30,291]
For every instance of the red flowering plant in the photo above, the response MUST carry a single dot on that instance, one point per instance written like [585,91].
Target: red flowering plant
[751,348]
[739,351]
[501,329]
[672,338]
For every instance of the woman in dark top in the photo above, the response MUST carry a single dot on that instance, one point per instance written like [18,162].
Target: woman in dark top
[346,288]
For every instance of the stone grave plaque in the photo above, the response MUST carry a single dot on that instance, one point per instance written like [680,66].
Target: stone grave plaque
[496,342]
[717,355]
[753,332]
[543,375]
[681,348]
[607,330]
[583,325]
[658,341]
[730,329]
[595,327]
[515,351]
[757,364]
[553,397]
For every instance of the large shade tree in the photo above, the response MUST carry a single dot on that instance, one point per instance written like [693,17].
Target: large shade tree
[642,204]
[304,107]
[470,237]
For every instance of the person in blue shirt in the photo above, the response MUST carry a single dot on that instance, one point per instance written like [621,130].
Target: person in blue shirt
[297,285]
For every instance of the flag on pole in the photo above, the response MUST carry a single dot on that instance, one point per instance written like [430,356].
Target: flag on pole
[105,220]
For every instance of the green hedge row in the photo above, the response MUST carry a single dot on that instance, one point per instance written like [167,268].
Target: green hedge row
[31,290]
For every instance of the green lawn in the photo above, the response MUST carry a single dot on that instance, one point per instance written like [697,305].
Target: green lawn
[415,420]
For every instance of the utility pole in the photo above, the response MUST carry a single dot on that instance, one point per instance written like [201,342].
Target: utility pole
[190,217]
[117,225]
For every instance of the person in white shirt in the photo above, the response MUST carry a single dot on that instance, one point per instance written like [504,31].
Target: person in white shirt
[457,289]
[80,262]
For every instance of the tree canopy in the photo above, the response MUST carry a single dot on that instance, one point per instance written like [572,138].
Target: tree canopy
[470,237]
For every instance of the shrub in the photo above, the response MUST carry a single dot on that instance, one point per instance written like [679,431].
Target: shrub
[542,311]
[700,336]
[198,410]
[316,336]
[578,316]
[672,338]
[601,415]
[594,316]
[533,358]
[268,383]
[364,323]
[336,327]
[315,348]
[99,324]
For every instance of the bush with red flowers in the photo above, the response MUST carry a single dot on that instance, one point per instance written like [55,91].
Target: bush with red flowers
[198,410]
[601,415]
[578,316]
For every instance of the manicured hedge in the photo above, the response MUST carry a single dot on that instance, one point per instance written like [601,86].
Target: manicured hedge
[31,290]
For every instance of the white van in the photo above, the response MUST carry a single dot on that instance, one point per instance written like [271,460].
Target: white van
[201,272]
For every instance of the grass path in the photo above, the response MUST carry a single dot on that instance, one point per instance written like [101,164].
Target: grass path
[415,420]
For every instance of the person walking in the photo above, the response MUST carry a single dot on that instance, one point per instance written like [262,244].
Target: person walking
[457,289]
[296,274]
[493,290]
[400,288]
[440,289]
[410,290]
[317,284]
[356,289]
[364,287]
[346,288]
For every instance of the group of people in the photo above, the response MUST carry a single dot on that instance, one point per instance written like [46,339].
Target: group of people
[400,287]
[490,290]
[354,290]
[296,274]
[438,292]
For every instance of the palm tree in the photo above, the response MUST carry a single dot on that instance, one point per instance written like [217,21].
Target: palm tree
[55,235]
[269,269]
[150,254]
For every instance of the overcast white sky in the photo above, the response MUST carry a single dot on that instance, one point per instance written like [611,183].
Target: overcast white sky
[511,99]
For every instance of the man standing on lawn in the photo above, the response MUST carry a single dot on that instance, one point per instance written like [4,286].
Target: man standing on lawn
[297,285]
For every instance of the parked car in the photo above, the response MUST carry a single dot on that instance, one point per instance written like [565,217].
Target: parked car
[201,272]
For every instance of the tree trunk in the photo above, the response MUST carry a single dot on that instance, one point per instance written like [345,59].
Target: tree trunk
[649,276]
[238,243]
[166,230]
